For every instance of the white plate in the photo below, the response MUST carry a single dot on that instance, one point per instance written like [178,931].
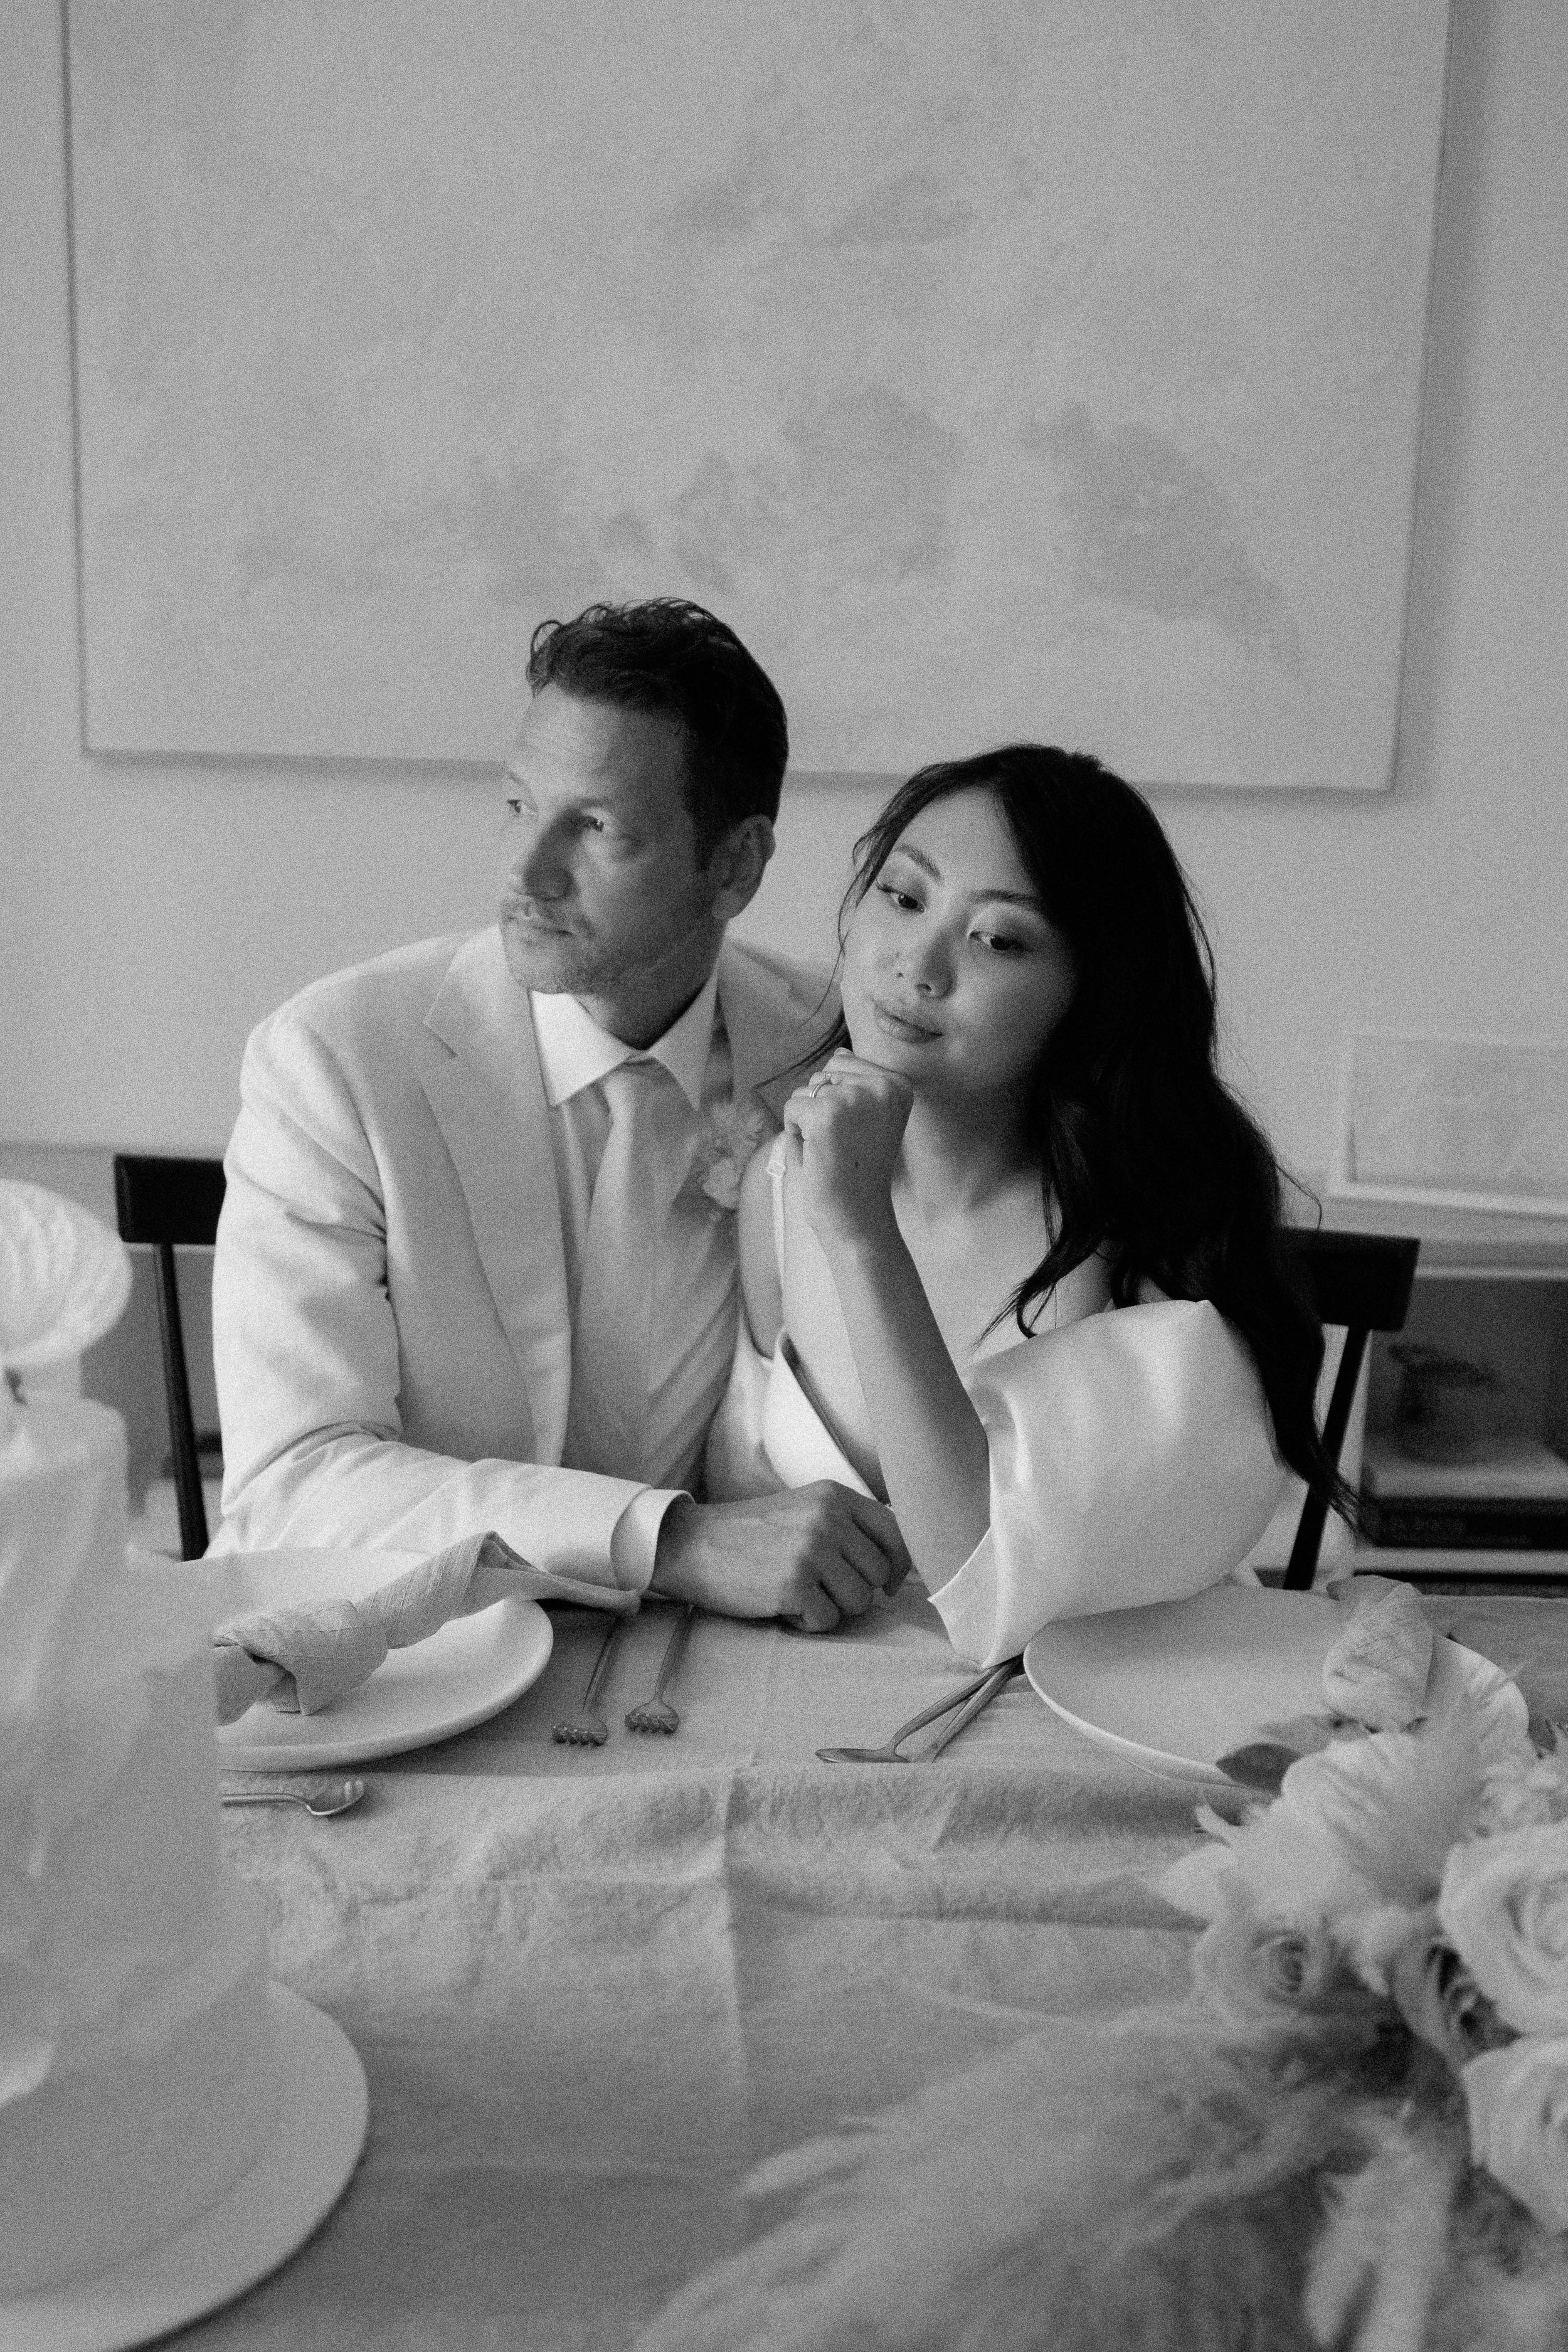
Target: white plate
[1175,1686]
[292,2188]
[467,1670]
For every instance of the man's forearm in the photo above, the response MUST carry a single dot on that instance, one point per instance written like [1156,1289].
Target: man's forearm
[815,1554]
[693,1562]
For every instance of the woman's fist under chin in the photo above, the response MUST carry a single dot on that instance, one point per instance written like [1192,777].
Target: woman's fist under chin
[846,1127]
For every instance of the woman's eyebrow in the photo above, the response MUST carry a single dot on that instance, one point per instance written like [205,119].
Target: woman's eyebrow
[926,866]
[1014,898]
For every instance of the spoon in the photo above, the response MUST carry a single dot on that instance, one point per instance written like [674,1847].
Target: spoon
[328,1797]
[656,1713]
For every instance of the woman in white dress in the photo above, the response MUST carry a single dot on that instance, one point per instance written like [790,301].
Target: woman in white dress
[1016,1128]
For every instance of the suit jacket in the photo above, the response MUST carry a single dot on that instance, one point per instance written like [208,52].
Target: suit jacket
[390,1322]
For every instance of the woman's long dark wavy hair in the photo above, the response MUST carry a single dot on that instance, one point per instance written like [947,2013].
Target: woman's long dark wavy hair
[1144,1152]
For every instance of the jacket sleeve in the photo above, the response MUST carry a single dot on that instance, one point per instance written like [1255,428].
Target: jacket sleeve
[306,1351]
[1132,1460]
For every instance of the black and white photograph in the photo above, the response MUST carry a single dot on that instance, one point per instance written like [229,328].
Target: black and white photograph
[783,1176]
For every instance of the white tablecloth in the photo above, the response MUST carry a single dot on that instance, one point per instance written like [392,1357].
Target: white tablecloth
[593,1988]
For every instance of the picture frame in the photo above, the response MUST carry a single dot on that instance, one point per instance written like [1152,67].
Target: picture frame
[1420,1117]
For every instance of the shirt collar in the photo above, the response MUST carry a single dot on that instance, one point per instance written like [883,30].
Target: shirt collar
[574,1052]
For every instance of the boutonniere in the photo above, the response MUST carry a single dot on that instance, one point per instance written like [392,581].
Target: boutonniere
[728,1136]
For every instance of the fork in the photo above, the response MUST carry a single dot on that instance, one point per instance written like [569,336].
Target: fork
[656,1713]
[977,1694]
[587,1727]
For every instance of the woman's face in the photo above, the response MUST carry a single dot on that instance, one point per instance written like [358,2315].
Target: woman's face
[953,976]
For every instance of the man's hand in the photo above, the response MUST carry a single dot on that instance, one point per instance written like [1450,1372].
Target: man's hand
[815,1554]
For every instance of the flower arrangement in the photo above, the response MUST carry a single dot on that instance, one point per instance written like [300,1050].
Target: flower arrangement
[726,1140]
[1394,1913]
[1350,2136]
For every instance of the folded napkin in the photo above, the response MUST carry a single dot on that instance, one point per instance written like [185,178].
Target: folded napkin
[301,1659]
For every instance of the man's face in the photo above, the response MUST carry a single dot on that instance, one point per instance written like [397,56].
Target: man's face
[603,897]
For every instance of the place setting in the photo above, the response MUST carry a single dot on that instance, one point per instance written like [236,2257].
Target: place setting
[1219,1687]
[322,1659]
[329,1658]
[1203,1689]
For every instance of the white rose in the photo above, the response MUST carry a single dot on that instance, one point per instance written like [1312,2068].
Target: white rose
[1438,1998]
[1518,2104]
[1504,1908]
[1252,1969]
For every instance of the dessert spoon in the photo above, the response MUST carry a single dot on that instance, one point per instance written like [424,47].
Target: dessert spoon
[656,1713]
[328,1797]
[587,1727]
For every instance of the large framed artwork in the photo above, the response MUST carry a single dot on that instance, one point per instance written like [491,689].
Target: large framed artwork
[1010,369]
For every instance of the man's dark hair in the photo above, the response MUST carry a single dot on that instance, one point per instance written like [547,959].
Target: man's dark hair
[669,656]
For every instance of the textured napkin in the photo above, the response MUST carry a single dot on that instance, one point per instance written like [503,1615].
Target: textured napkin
[301,1660]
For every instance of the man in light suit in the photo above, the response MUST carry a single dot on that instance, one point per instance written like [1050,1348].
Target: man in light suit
[476,1265]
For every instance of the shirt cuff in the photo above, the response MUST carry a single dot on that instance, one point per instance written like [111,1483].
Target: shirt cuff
[635,1538]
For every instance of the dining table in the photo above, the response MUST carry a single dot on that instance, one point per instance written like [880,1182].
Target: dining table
[594,1988]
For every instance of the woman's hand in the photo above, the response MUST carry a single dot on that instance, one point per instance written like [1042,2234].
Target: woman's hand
[845,1127]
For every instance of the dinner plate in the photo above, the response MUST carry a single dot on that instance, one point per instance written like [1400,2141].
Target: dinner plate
[1173,1687]
[467,1671]
[300,2173]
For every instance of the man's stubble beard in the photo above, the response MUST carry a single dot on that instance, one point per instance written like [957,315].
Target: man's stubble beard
[564,967]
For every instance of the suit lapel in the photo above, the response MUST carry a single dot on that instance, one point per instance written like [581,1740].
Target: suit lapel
[772,1019]
[488,1099]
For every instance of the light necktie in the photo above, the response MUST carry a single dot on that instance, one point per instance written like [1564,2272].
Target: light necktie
[644,1165]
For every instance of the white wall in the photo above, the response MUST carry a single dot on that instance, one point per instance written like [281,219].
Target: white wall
[150,913]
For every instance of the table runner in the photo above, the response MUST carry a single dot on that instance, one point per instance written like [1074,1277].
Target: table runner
[593,1988]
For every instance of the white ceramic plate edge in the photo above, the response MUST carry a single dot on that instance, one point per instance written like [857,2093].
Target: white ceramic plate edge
[1167,1767]
[298,2177]
[1148,1759]
[392,1714]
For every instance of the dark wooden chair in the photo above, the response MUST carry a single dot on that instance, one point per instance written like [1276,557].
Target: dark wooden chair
[173,1204]
[1361,1281]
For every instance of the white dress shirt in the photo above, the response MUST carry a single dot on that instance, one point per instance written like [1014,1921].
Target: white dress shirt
[696,1285]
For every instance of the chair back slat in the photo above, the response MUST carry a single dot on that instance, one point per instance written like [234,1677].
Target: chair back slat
[1361,1280]
[161,1200]
[170,1203]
